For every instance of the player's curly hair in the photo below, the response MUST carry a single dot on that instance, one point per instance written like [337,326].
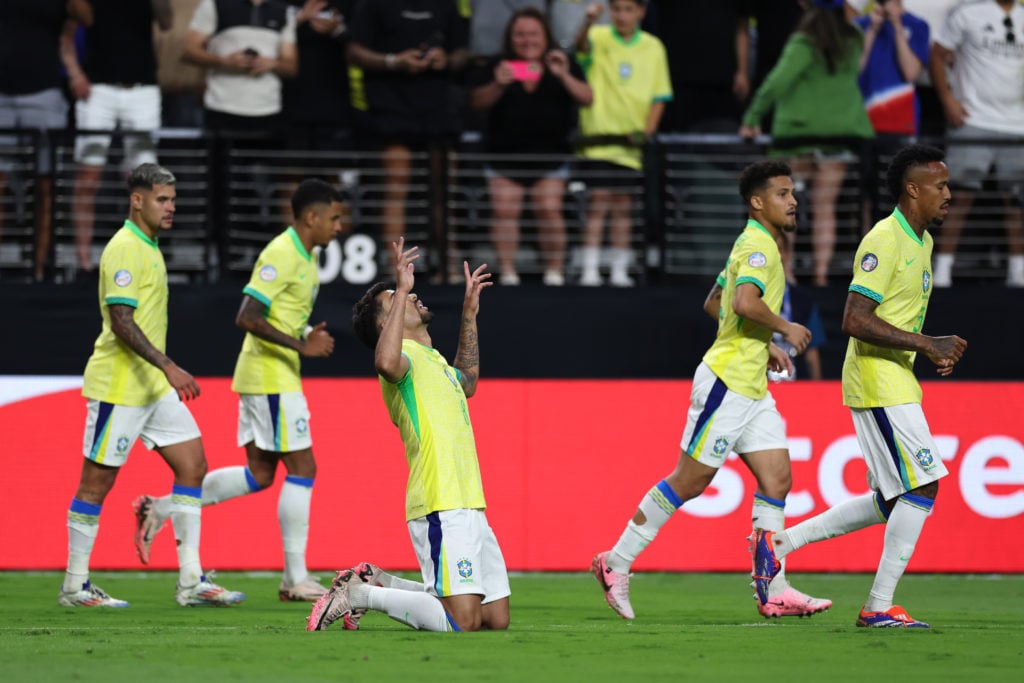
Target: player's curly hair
[906,159]
[366,313]
[755,177]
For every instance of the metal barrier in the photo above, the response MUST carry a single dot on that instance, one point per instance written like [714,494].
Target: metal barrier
[233,196]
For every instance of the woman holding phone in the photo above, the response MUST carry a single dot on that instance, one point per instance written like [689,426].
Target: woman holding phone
[530,93]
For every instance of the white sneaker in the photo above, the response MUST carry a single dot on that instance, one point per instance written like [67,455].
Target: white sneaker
[1015,271]
[206,593]
[554,278]
[307,590]
[509,279]
[621,280]
[89,596]
[591,278]
[942,272]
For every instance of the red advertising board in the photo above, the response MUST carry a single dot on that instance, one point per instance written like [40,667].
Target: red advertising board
[565,463]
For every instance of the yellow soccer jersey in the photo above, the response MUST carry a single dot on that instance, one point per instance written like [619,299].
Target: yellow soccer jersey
[739,356]
[626,78]
[894,268]
[132,273]
[285,280]
[429,409]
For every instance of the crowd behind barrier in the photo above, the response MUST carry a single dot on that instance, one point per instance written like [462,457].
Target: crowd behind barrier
[232,198]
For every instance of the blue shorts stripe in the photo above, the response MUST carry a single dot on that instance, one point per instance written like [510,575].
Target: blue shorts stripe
[274,403]
[102,422]
[715,398]
[434,538]
[885,427]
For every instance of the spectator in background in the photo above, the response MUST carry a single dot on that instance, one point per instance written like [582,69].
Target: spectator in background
[111,93]
[316,106]
[932,119]
[628,71]
[983,41]
[247,48]
[708,98]
[895,54]
[30,92]
[773,23]
[181,85]
[489,20]
[531,93]
[798,306]
[566,17]
[818,111]
[406,50]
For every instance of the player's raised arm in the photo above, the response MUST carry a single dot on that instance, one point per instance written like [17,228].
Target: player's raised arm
[467,357]
[388,358]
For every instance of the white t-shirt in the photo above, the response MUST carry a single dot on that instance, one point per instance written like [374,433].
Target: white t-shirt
[988,77]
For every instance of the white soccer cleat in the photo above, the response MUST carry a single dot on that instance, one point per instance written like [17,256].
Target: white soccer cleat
[88,596]
[206,593]
[307,590]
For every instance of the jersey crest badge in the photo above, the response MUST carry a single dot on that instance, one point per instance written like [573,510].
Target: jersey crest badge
[268,273]
[926,281]
[868,263]
[625,70]
[757,260]
[122,278]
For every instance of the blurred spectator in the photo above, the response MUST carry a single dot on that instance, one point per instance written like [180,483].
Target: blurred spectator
[983,43]
[708,98]
[30,93]
[567,16]
[111,93]
[773,23]
[628,71]
[181,84]
[319,116]
[819,112]
[531,93]
[247,46]
[932,120]
[488,21]
[895,53]
[406,50]
[800,307]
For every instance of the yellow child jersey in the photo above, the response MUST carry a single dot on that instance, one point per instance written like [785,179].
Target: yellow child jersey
[132,273]
[894,268]
[429,409]
[739,356]
[626,77]
[285,280]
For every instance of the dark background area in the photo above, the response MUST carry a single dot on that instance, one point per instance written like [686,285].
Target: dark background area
[571,332]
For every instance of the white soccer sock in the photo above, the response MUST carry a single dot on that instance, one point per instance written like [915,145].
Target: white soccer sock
[851,515]
[185,516]
[620,259]
[591,259]
[420,610]
[219,485]
[769,514]
[83,527]
[901,533]
[657,506]
[293,515]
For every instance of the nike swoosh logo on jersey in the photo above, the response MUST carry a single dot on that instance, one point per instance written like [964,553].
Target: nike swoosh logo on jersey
[911,260]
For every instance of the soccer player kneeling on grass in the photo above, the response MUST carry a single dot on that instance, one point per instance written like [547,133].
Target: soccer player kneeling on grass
[465,584]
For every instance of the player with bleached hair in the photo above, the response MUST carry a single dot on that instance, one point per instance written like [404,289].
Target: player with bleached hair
[731,408]
[885,310]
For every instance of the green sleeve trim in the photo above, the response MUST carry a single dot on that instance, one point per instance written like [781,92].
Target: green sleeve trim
[752,280]
[121,301]
[864,291]
[663,98]
[721,280]
[262,298]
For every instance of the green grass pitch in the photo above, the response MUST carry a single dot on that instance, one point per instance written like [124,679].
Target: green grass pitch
[689,627]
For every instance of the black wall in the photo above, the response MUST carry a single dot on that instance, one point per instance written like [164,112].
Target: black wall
[529,331]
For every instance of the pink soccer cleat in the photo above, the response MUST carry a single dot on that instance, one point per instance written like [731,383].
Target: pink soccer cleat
[147,526]
[333,605]
[792,603]
[615,585]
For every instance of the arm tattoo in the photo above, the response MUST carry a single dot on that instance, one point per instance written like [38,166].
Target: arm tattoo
[467,358]
[251,319]
[122,323]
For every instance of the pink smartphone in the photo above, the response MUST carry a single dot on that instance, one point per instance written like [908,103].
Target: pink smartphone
[524,71]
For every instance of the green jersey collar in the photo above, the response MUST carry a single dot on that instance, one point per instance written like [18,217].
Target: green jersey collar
[751,223]
[632,40]
[898,215]
[298,243]
[151,241]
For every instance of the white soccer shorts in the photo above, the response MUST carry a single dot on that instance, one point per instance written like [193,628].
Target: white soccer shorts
[278,423]
[111,429]
[898,448]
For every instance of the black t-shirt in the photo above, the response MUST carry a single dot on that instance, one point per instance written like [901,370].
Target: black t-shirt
[776,20]
[523,122]
[700,40]
[119,44]
[319,93]
[403,104]
[30,45]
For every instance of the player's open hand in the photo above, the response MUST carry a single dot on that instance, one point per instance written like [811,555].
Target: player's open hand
[475,283]
[319,342]
[779,360]
[946,352]
[405,265]
[182,382]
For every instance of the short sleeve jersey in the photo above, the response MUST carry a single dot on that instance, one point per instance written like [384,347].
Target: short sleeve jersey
[627,78]
[892,268]
[132,273]
[285,280]
[429,408]
[739,356]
